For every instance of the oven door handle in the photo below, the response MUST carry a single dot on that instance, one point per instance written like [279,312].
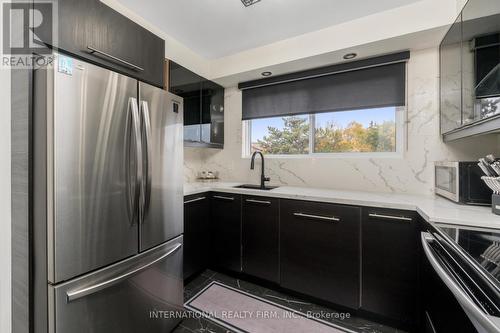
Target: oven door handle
[482,321]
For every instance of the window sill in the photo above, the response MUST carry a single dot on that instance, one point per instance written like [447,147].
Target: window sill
[392,155]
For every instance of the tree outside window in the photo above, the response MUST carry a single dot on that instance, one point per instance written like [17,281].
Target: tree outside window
[357,131]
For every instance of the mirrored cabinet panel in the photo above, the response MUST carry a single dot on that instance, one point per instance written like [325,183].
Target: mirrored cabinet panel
[481,60]
[212,113]
[187,85]
[450,71]
[203,107]
[469,72]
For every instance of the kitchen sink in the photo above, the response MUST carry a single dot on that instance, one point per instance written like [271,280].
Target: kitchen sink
[256,187]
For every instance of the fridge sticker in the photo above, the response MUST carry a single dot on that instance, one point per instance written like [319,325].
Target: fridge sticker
[65,65]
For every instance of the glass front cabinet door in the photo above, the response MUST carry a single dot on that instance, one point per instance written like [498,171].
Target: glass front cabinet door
[450,74]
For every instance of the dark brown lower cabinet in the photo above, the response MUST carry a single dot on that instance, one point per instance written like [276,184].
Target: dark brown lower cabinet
[389,264]
[225,214]
[361,258]
[260,237]
[196,233]
[320,250]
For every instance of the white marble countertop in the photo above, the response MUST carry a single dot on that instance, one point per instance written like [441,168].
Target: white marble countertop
[433,208]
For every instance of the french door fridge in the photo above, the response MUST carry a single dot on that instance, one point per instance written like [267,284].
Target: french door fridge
[107,201]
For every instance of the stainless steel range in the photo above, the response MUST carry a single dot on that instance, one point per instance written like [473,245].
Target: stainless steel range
[467,260]
[108,201]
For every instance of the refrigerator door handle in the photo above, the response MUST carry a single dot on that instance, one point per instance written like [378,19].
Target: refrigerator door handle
[132,106]
[77,293]
[148,172]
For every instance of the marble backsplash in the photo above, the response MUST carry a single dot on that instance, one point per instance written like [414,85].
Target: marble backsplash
[410,173]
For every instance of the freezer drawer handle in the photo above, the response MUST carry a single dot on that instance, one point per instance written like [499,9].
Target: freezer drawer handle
[318,217]
[223,198]
[121,61]
[258,201]
[463,299]
[85,291]
[194,200]
[390,217]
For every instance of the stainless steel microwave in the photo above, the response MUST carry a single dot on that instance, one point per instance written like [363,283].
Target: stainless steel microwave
[461,182]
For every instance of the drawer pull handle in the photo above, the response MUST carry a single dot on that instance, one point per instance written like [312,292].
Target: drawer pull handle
[258,201]
[318,217]
[223,198]
[390,217]
[116,59]
[194,200]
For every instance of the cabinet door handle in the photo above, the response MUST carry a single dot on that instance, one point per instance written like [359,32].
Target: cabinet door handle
[390,217]
[116,59]
[223,198]
[318,217]
[194,200]
[258,201]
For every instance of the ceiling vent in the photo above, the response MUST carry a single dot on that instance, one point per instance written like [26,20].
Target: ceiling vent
[249,2]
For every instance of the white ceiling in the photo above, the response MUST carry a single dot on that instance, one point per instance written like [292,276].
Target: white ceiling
[216,28]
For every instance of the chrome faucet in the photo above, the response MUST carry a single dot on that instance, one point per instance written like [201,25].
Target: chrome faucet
[263,178]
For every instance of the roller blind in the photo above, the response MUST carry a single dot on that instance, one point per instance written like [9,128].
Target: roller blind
[376,86]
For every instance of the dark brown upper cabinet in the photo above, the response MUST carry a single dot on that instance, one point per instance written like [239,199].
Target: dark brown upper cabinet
[470,72]
[203,107]
[90,30]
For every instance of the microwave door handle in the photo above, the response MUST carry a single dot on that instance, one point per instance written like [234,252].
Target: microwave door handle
[148,172]
[472,310]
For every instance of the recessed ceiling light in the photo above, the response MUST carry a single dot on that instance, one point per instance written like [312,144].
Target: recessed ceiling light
[350,56]
[249,2]
[267,73]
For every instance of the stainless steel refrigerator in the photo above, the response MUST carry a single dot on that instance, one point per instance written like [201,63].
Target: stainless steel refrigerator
[107,201]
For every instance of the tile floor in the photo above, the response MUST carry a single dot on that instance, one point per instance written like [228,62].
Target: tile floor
[203,325]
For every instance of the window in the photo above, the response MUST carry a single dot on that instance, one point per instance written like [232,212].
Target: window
[377,130]
[281,135]
[347,109]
